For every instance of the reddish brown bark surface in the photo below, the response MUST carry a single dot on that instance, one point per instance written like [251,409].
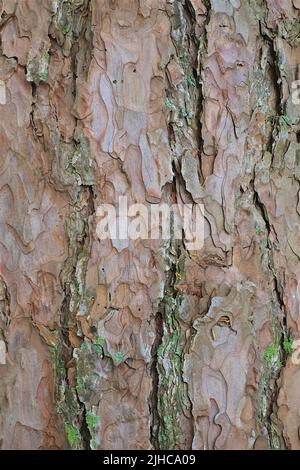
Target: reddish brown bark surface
[145,344]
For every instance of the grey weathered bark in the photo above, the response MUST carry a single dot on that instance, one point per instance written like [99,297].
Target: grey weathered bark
[108,345]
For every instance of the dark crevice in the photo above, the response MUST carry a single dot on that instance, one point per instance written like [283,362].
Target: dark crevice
[154,426]
[197,71]
[82,206]
[170,403]
[5,313]
[261,209]
[272,389]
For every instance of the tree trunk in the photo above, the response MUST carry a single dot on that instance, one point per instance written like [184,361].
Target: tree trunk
[142,344]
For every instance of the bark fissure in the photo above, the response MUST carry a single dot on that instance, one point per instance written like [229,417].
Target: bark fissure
[154,426]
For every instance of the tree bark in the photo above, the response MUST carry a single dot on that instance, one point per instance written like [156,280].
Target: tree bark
[146,344]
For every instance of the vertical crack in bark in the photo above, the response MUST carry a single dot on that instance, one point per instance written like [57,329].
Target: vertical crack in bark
[154,413]
[73,287]
[171,388]
[5,313]
[279,321]
[78,229]
[270,375]
[173,412]
[199,40]
[279,327]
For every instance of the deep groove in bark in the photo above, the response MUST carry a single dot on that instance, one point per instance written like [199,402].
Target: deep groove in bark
[154,425]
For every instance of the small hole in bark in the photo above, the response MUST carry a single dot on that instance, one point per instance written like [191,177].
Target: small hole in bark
[114,81]
[134,70]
